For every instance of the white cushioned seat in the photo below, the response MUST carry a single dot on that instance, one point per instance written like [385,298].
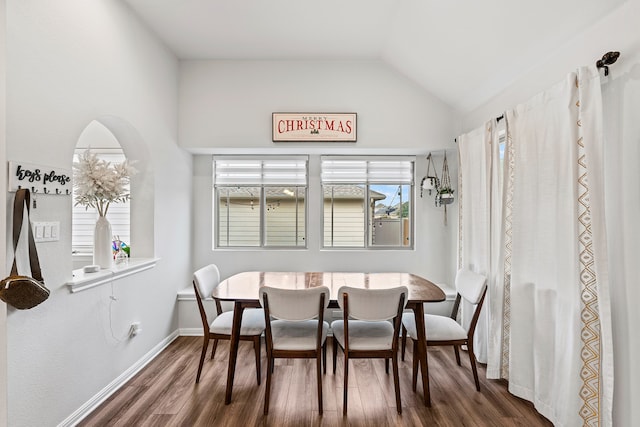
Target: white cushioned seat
[252,322]
[205,281]
[295,328]
[300,335]
[364,335]
[365,330]
[438,328]
[445,330]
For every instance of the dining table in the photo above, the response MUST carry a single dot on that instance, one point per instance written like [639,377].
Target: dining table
[243,290]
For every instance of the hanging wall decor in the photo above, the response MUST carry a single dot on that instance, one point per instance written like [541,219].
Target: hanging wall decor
[430,182]
[444,193]
[39,179]
[314,127]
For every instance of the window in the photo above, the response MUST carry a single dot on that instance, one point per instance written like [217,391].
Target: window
[368,202]
[260,202]
[83,219]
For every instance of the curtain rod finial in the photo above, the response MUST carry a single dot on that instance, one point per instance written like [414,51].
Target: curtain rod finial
[607,59]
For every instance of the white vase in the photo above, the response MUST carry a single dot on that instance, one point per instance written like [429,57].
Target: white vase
[102,241]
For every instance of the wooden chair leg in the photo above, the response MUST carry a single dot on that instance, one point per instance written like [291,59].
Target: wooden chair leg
[386,366]
[324,356]
[205,344]
[416,365]
[472,359]
[346,384]
[256,347]
[267,390]
[335,353]
[456,348]
[404,341]
[396,382]
[319,379]
[215,346]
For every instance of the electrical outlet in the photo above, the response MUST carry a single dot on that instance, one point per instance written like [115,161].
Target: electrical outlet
[135,329]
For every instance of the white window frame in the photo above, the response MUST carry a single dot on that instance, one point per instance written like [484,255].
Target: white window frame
[261,172]
[366,171]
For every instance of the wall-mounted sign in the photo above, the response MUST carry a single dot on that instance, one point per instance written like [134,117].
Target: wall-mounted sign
[320,127]
[39,179]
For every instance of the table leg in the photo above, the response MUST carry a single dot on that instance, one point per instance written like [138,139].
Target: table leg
[238,308]
[418,311]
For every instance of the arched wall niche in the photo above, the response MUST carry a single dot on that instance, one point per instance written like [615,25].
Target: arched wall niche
[142,183]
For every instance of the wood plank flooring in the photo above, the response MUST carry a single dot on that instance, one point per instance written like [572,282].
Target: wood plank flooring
[164,393]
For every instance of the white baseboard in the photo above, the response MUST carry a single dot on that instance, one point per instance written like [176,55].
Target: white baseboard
[191,332]
[104,394]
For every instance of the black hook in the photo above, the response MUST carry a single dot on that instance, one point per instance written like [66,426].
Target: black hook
[46,191]
[57,191]
[33,190]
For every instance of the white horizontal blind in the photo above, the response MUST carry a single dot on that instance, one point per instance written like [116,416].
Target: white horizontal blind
[84,220]
[260,171]
[367,171]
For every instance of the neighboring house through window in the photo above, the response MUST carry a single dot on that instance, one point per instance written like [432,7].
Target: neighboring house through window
[260,201]
[367,202]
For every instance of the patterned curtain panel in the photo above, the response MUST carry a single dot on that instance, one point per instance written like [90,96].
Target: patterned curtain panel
[558,324]
[532,217]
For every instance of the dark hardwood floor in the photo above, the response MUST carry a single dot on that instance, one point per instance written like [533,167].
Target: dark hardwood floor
[164,393]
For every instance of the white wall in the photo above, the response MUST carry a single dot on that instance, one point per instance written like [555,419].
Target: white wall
[69,62]
[3,218]
[228,105]
[618,31]
[225,107]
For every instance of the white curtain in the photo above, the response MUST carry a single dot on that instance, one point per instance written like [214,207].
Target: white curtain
[560,330]
[477,151]
[543,245]
[621,104]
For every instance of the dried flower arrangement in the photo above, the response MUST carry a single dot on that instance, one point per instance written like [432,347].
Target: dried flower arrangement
[98,183]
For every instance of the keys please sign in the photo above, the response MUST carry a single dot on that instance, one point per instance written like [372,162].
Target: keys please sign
[39,179]
[309,127]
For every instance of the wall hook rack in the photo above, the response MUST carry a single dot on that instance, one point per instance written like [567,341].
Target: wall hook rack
[39,179]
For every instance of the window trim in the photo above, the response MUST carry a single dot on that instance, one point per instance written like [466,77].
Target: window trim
[367,186]
[263,202]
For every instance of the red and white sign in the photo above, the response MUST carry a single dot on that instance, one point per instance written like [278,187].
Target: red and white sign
[328,127]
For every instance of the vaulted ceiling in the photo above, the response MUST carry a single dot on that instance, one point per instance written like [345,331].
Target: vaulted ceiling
[462,51]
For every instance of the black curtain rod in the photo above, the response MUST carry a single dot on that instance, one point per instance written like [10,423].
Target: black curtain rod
[607,59]
[500,117]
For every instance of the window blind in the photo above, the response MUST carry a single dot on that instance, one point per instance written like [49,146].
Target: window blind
[260,171]
[370,171]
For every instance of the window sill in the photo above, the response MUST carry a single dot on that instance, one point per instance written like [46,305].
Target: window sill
[82,281]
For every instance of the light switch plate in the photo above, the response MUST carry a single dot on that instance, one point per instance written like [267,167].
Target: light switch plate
[46,231]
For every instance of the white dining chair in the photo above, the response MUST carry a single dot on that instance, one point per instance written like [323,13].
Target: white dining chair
[443,330]
[365,330]
[295,328]
[205,280]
